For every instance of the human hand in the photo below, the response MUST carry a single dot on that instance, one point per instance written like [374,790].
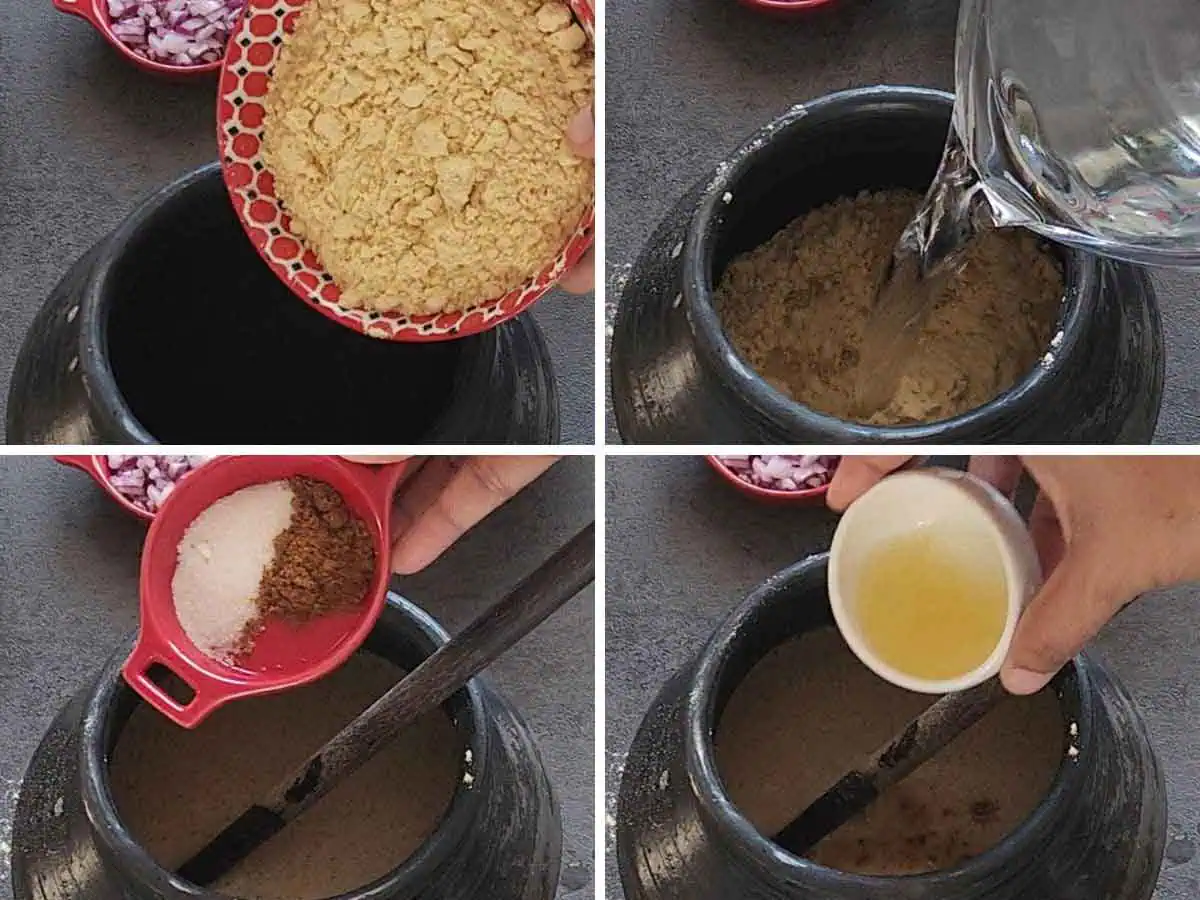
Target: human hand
[581,136]
[1106,528]
[443,497]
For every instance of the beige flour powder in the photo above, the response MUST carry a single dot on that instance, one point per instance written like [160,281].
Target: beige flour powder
[795,308]
[810,710]
[420,148]
[175,790]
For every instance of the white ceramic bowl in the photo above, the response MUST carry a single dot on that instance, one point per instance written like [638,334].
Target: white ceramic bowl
[986,527]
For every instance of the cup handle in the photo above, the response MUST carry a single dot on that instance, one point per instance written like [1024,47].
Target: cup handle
[137,674]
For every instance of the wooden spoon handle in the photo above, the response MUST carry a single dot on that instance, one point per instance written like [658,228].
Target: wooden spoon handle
[921,739]
[555,582]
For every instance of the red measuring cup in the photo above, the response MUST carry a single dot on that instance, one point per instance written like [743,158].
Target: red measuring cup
[284,654]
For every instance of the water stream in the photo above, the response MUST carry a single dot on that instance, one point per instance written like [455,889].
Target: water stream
[932,246]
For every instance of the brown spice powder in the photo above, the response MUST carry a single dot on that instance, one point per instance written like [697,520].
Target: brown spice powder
[324,559]
[796,307]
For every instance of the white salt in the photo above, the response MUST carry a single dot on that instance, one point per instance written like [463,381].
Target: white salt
[222,558]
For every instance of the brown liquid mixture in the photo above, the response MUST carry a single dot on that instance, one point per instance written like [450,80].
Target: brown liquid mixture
[797,308]
[175,789]
[809,710]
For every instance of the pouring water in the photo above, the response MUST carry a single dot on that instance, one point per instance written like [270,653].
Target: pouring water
[928,249]
[1076,119]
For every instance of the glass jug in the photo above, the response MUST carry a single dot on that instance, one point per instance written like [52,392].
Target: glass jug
[1080,120]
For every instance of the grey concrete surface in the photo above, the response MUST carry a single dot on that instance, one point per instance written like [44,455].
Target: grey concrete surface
[68,592]
[688,82]
[84,135]
[683,548]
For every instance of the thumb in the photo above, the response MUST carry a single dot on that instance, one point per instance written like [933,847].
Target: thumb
[855,475]
[1070,609]
[581,133]
[582,278]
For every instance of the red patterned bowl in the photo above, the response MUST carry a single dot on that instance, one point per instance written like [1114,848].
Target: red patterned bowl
[95,13]
[249,63]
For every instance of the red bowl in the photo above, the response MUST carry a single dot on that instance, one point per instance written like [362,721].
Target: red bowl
[807,497]
[249,63]
[95,13]
[785,7]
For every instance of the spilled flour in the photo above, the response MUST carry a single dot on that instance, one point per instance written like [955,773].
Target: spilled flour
[177,789]
[796,309]
[809,709]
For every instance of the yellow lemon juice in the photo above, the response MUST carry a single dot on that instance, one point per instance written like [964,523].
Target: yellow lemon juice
[925,610]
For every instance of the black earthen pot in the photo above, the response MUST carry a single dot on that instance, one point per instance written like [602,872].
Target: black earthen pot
[173,330]
[1098,835]
[501,838]
[676,378]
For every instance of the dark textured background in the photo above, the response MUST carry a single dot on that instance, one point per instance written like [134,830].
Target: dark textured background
[68,592]
[84,135]
[687,82]
[683,549]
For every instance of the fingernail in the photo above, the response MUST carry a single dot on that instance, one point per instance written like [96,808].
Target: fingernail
[401,564]
[582,128]
[1024,681]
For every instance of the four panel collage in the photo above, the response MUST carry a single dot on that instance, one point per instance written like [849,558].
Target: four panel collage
[604,450]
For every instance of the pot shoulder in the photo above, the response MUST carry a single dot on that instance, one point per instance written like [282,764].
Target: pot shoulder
[664,850]
[516,400]
[48,401]
[515,850]
[54,854]
[1110,846]
[661,393]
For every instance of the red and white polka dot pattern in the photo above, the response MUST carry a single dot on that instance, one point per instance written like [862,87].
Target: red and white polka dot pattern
[245,77]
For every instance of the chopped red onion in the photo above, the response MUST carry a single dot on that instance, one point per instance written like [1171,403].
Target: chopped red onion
[147,481]
[783,473]
[175,32]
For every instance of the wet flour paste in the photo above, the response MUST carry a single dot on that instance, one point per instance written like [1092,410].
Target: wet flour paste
[797,309]
[175,790]
[810,709]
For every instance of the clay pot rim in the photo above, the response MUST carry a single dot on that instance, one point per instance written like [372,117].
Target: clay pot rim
[405,880]
[735,831]
[1081,275]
